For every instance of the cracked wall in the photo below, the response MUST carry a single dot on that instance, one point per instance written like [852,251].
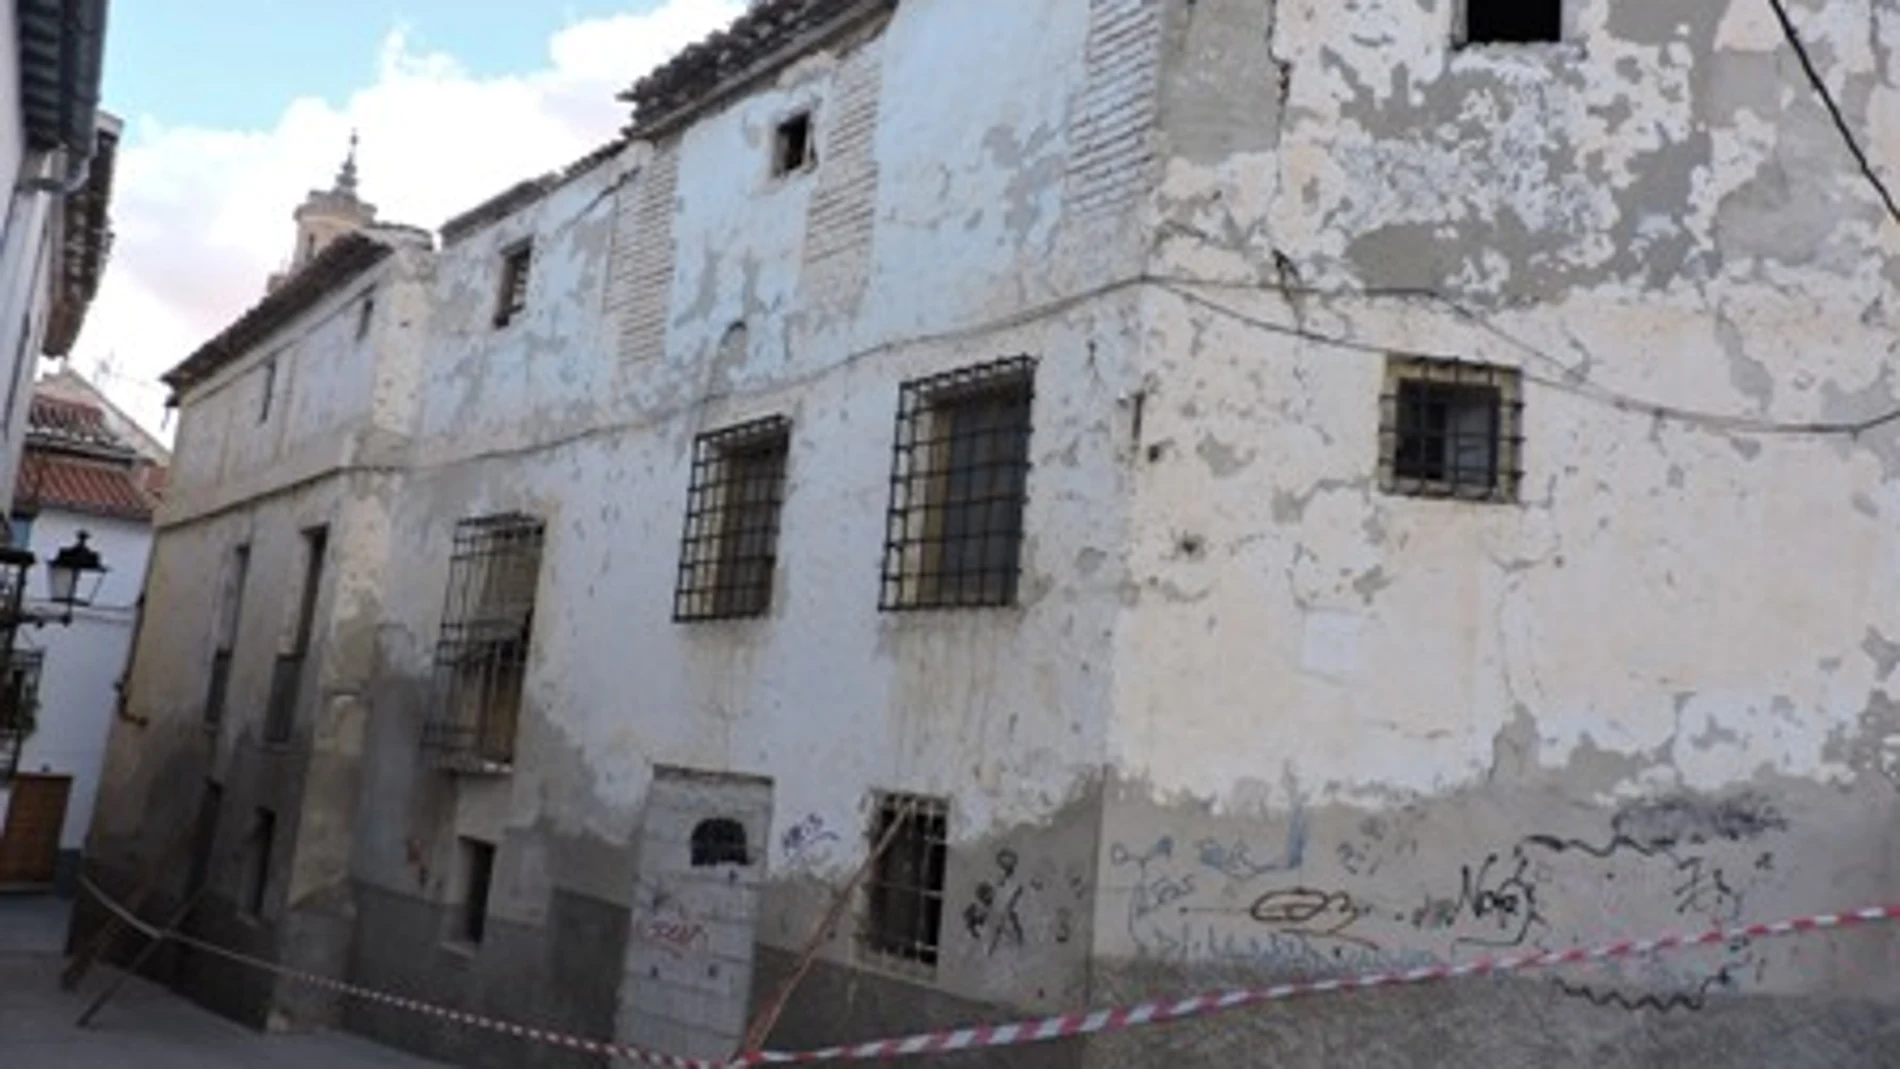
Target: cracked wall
[1656,223]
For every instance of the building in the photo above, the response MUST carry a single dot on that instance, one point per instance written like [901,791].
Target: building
[1232,492]
[57,151]
[89,472]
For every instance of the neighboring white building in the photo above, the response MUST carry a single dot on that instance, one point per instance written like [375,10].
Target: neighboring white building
[87,472]
[1229,492]
[57,152]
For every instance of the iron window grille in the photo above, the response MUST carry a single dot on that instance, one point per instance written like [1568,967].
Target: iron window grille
[517,262]
[904,889]
[19,707]
[729,550]
[959,485]
[1450,429]
[482,652]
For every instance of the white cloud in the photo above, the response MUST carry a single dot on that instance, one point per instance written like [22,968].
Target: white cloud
[202,216]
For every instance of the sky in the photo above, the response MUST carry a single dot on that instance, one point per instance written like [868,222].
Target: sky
[235,111]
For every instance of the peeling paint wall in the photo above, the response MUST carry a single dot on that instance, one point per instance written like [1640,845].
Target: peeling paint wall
[1356,729]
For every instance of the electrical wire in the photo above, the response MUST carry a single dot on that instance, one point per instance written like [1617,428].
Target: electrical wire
[1833,109]
[1569,385]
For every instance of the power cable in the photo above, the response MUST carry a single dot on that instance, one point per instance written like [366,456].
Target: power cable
[1580,388]
[1833,109]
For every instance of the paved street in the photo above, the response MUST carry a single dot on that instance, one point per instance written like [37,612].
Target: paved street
[144,1026]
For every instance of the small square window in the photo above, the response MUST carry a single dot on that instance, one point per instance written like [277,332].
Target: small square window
[1450,429]
[730,546]
[477,876]
[793,148]
[1513,21]
[904,893]
[516,263]
[959,486]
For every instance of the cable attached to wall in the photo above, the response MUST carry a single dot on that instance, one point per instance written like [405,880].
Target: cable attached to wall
[1833,109]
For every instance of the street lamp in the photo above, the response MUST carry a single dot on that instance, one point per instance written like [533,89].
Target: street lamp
[74,576]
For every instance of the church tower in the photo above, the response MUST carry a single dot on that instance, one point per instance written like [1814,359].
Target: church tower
[326,215]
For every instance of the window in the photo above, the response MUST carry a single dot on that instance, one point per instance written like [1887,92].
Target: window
[909,835]
[730,546]
[1513,21]
[719,841]
[22,533]
[516,262]
[477,876]
[958,486]
[482,653]
[269,374]
[204,837]
[287,674]
[793,148]
[224,639]
[1450,429]
[257,875]
[19,706]
[364,314]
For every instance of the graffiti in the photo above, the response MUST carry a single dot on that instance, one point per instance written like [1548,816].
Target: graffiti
[1155,889]
[994,916]
[1235,861]
[1705,891]
[1666,992]
[1498,895]
[1380,840]
[809,841]
[676,938]
[1305,911]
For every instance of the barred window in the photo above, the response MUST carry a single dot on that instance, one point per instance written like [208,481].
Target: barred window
[959,481]
[482,652]
[1450,429]
[904,892]
[730,546]
[19,706]
[517,261]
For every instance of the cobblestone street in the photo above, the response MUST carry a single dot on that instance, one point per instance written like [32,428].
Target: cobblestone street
[143,1026]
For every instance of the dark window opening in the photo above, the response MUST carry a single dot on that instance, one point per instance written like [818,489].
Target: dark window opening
[257,879]
[482,651]
[287,674]
[719,841]
[224,639]
[364,313]
[1450,429]
[904,894]
[269,390]
[204,836]
[516,263]
[959,484]
[478,875]
[793,147]
[1513,21]
[729,550]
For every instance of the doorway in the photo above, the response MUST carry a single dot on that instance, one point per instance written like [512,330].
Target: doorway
[695,913]
[29,846]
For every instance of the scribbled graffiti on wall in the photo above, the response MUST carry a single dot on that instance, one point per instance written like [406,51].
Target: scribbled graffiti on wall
[1380,899]
[1016,903]
[808,842]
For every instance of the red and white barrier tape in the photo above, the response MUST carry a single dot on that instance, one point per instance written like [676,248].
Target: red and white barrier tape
[1065,1026]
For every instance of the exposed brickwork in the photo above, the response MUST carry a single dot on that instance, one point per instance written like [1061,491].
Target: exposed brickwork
[1113,150]
[643,268]
[844,207]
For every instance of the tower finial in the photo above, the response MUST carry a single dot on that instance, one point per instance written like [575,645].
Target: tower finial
[346,175]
